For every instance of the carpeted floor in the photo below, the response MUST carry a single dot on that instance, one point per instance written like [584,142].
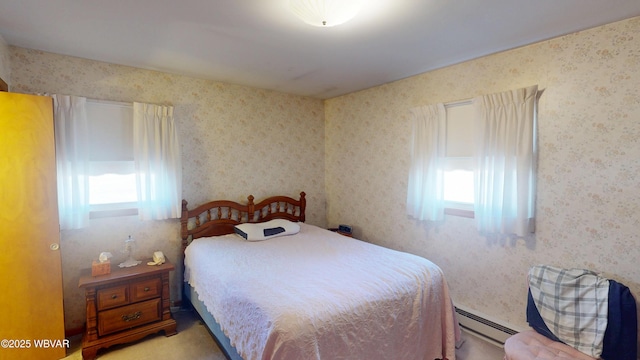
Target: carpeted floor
[194,342]
[475,348]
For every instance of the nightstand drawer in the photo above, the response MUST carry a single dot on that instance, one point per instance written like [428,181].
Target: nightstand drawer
[146,289]
[127,317]
[112,297]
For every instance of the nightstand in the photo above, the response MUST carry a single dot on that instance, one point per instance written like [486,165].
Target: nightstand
[126,305]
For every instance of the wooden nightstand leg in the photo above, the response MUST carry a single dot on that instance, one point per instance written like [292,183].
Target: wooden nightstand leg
[171,329]
[91,332]
[166,297]
[89,353]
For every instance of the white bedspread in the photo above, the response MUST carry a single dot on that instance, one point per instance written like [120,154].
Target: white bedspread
[320,295]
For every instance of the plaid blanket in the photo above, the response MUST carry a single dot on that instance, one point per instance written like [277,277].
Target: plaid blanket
[573,304]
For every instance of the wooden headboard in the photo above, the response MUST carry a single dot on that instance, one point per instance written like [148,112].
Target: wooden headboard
[218,217]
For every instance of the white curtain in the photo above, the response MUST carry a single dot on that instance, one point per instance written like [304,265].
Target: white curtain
[156,153]
[505,176]
[72,160]
[426,176]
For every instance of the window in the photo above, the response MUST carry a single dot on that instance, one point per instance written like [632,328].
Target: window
[112,182]
[495,173]
[102,170]
[458,165]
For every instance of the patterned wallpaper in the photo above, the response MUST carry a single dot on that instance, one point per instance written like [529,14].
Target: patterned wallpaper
[235,140]
[588,197]
[5,68]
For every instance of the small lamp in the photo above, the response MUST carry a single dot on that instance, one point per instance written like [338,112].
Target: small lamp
[129,246]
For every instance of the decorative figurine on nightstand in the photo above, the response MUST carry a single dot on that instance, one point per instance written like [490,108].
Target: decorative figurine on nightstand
[129,245]
[158,258]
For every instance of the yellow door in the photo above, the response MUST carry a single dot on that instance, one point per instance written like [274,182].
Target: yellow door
[31,312]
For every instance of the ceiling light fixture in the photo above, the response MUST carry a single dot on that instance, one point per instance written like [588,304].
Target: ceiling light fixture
[325,13]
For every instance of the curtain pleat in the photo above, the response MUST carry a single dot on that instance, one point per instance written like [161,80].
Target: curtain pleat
[72,160]
[157,162]
[425,195]
[505,158]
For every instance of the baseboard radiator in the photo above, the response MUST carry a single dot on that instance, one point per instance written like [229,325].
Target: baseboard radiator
[484,326]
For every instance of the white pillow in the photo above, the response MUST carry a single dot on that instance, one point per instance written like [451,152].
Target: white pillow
[266,230]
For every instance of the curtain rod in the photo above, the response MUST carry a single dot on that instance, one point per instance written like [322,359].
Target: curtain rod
[118,103]
[458,103]
[110,102]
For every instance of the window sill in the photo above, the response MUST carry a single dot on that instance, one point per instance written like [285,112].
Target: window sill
[112,213]
[459,212]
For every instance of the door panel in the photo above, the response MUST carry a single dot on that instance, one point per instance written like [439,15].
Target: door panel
[30,270]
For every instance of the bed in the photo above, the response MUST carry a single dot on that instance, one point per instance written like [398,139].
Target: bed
[313,294]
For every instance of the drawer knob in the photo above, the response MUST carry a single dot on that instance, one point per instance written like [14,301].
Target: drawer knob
[146,288]
[114,296]
[130,317]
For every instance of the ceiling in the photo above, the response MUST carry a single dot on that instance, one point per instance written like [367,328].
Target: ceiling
[260,43]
